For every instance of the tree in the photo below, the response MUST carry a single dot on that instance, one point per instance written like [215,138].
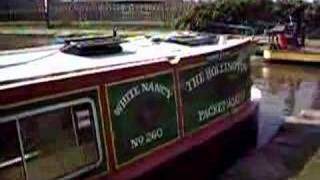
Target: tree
[250,12]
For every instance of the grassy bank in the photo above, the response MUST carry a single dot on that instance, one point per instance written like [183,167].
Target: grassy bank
[15,35]
[79,28]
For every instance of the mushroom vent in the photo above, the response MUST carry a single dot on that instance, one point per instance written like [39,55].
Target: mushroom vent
[193,39]
[92,46]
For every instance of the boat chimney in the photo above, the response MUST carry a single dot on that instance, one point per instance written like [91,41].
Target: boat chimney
[115,31]
[222,40]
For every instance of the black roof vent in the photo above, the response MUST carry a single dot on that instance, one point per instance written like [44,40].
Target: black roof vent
[93,46]
[193,39]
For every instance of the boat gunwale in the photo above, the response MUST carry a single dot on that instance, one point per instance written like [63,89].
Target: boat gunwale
[106,69]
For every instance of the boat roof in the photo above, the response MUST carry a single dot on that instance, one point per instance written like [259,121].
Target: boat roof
[30,66]
[277,29]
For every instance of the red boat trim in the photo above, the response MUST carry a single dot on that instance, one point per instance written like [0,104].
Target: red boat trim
[46,97]
[47,88]
[179,104]
[104,128]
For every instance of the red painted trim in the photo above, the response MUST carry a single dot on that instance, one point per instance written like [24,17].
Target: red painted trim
[33,91]
[107,129]
[179,103]
[161,156]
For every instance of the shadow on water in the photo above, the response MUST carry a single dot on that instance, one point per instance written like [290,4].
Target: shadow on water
[287,139]
[285,157]
[286,91]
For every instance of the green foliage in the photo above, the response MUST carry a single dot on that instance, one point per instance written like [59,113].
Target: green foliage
[250,12]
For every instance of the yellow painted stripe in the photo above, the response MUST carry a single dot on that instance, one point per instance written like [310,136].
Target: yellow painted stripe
[278,55]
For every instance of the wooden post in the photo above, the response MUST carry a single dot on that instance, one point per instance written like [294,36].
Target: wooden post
[46,12]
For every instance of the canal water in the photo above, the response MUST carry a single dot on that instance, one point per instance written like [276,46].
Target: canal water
[286,90]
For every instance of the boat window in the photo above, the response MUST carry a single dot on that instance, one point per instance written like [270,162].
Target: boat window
[11,166]
[56,141]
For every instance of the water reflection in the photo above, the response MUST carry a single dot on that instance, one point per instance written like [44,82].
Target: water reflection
[286,91]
